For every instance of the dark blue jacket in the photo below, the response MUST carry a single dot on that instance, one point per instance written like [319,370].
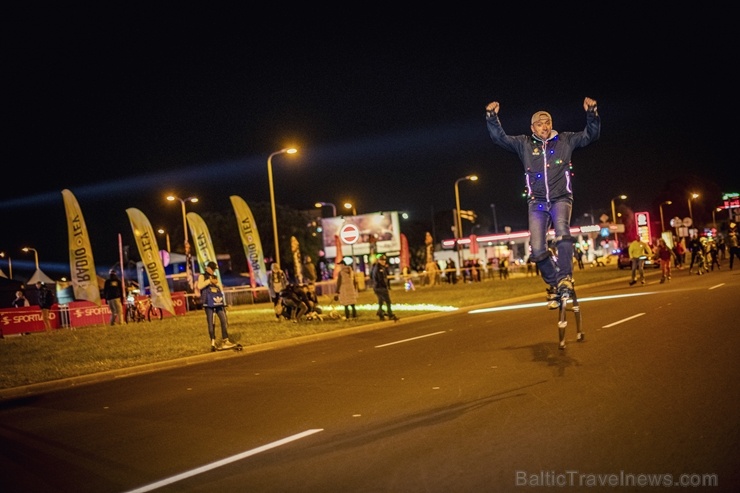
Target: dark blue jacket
[211,295]
[546,163]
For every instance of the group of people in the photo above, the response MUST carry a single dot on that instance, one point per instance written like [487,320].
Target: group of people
[45,300]
[292,301]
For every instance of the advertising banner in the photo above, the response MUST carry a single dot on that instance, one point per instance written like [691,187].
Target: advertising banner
[146,242]
[251,241]
[203,245]
[81,264]
[378,231]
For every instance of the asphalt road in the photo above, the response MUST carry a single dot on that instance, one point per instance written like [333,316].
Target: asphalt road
[478,400]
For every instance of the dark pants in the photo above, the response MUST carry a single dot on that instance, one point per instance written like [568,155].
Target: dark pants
[384,298]
[211,313]
[734,252]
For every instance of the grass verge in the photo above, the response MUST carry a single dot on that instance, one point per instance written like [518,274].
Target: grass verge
[64,353]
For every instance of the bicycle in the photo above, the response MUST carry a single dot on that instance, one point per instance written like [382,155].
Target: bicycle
[140,308]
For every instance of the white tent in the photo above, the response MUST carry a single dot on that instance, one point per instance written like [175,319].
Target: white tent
[40,276]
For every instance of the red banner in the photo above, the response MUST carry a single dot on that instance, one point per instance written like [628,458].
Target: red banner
[17,321]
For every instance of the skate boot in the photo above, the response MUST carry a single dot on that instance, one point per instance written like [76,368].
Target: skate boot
[565,287]
[553,299]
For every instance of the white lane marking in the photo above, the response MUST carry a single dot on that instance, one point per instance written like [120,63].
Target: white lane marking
[538,304]
[717,286]
[412,339]
[223,462]
[622,321]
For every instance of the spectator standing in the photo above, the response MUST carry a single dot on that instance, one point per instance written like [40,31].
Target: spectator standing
[733,242]
[113,293]
[214,304]
[546,157]
[276,282]
[382,287]
[712,253]
[451,271]
[639,252]
[579,258]
[347,290]
[721,247]
[503,268]
[680,252]
[696,250]
[666,256]
[46,301]
[20,300]
[309,270]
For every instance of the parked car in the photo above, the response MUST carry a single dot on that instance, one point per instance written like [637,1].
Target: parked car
[624,261]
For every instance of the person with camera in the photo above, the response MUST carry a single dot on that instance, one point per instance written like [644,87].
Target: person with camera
[214,304]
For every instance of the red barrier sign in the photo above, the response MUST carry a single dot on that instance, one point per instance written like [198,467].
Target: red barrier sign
[349,234]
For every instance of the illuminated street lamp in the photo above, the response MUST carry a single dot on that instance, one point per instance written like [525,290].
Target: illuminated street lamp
[272,198]
[691,213]
[349,206]
[10,264]
[188,258]
[172,198]
[662,225]
[327,204]
[35,254]
[614,217]
[458,226]
[167,237]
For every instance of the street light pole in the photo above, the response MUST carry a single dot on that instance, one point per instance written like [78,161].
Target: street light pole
[458,219]
[10,264]
[691,213]
[614,218]
[662,224]
[272,198]
[35,254]
[495,221]
[167,237]
[349,206]
[327,204]
[188,258]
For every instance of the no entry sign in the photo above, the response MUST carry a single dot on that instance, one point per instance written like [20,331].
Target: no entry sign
[349,234]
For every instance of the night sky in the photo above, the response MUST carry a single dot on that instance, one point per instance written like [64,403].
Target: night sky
[123,109]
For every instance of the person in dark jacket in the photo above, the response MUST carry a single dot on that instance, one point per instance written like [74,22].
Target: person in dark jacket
[295,303]
[113,292]
[546,156]
[382,287]
[46,301]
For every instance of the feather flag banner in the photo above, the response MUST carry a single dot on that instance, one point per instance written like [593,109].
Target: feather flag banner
[250,240]
[146,241]
[81,262]
[203,245]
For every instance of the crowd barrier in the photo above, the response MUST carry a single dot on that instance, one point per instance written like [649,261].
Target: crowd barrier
[25,320]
